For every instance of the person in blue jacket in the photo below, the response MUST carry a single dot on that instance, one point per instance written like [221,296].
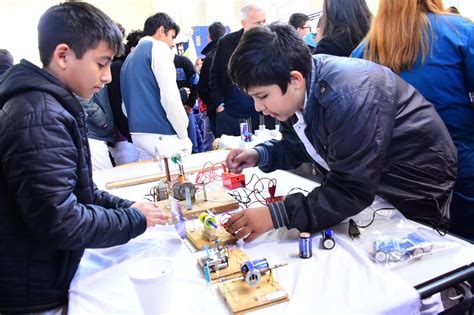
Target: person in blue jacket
[435,54]
[368,132]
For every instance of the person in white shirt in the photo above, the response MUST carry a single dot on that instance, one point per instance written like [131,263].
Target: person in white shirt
[156,117]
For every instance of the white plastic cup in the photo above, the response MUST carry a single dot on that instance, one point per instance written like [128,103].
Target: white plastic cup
[153,281]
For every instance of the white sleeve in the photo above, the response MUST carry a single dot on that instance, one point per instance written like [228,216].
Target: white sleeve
[165,74]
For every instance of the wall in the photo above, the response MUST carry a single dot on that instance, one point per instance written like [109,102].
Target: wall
[19,18]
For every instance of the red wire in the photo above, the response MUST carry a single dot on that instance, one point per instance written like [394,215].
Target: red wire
[208,173]
[269,187]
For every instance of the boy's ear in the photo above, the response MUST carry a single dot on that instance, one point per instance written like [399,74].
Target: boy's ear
[297,79]
[61,55]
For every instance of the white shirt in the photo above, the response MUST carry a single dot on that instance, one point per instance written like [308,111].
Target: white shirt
[300,127]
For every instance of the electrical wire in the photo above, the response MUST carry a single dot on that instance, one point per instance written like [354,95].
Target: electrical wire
[373,217]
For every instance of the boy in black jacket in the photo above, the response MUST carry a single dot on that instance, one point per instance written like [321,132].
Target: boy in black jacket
[51,210]
[365,129]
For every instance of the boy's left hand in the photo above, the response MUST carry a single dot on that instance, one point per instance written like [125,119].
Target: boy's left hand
[249,223]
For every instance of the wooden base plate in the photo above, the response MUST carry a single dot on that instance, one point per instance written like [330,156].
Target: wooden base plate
[197,238]
[241,297]
[218,201]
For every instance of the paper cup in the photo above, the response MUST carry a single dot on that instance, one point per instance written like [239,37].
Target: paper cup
[153,281]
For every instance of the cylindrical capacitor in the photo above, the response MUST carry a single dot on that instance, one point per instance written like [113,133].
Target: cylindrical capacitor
[306,245]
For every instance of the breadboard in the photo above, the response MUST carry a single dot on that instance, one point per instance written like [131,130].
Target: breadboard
[218,201]
[242,298]
[196,236]
[236,258]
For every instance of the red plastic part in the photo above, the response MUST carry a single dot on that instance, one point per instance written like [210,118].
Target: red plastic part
[233,181]
[274,199]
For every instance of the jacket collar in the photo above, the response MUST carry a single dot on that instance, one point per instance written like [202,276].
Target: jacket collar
[25,76]
[209,47]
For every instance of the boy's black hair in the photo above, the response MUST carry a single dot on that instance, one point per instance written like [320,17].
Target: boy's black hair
[132,40]
[298,20]
[157,20]
[267,55]
[79,25]
[216,30]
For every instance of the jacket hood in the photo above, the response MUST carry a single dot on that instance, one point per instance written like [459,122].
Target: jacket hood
[26,77]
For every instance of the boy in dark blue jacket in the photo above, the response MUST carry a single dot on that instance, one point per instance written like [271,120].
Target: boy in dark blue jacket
[51,210]
[366,130]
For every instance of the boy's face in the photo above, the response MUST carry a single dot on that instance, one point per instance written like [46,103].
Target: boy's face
[303,31]
[270,100]
[166,37]
[88,75]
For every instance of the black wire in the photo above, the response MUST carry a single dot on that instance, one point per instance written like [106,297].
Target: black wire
[373,217]
[240,199]
[439,224]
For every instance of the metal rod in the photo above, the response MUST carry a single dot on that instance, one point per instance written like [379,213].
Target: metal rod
[167,169]
[445,281]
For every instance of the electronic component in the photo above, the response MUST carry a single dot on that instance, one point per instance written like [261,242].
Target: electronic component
[179,190]
[244,129]
[160,191]
[233,181]
[245,134]
[305,245]
[272,191]
[269,200]
[252,270]
[210,225]
[411,246]
[217,258]
[353,229]
[327,239]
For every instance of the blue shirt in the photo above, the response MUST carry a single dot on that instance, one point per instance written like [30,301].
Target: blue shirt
[445,79]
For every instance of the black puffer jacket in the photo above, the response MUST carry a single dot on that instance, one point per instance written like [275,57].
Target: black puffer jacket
[50,208]
[378,135]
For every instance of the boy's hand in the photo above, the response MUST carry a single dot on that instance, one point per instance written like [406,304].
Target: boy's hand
[239,159]
[154,215]
[249,223]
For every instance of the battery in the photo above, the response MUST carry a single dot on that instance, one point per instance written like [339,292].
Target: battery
[257,264]
[306,245]
[244,130]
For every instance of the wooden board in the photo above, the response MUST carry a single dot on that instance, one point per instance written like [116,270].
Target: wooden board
[236,258]
[147,179]
[218,201]
[216,156]
[197,238]
[242,298]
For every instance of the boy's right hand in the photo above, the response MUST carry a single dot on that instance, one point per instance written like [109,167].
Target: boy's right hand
[154,215]
[239,159]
